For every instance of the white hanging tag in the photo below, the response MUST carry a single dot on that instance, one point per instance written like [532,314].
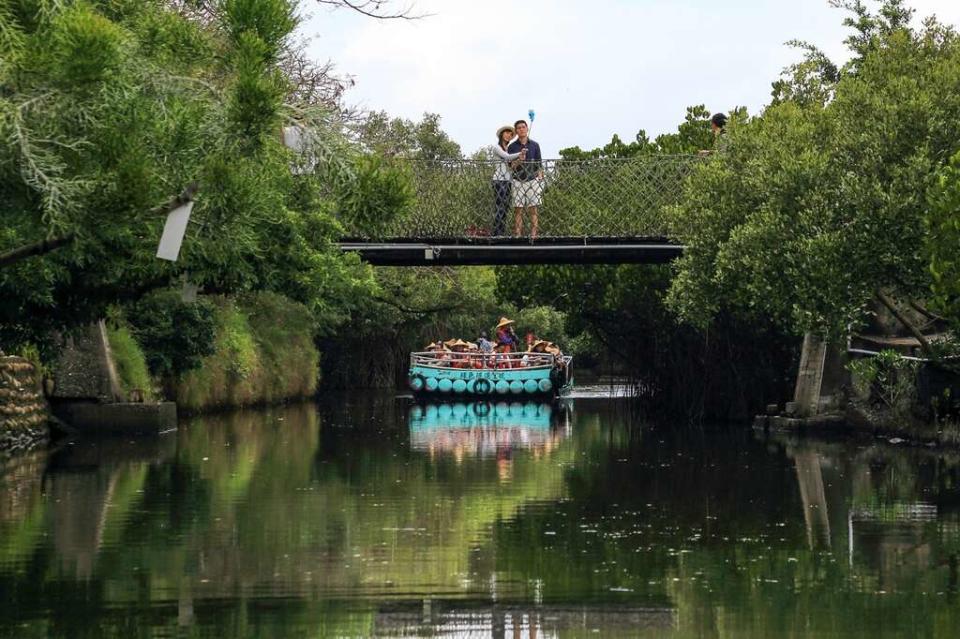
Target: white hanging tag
[173,232]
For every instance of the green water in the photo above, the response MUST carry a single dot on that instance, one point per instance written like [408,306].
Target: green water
[364,517]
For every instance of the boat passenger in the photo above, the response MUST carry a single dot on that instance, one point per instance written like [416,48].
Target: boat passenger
[459,357]
[485,345]
[548,349]
[476,357]
[506,337]
[434,349]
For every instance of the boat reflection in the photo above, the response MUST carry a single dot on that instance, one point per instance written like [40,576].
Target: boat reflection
[485,429]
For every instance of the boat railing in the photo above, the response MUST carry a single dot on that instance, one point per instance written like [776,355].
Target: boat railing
[480,360]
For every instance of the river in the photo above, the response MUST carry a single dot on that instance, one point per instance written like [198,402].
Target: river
[367,515]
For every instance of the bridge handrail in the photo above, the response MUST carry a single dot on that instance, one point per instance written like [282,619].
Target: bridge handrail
[590,197]
[480,360]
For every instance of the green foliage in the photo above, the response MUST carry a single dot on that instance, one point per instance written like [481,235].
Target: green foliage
[814,207]
[887,378]
[943,240]
[398,137]
[410,307]
[692,135]
[269,21]
[263,353]
[130,360]
[108,110]
[617,316]
[235,346]
[380,195]
[175,335]
[545,322]
[85,47]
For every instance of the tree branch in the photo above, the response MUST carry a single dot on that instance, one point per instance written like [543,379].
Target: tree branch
[185,196]
[933,317]
[892,307]
[37,248]
[371,9]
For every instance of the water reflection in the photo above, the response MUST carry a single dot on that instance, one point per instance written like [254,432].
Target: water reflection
[484,429]
[372,517]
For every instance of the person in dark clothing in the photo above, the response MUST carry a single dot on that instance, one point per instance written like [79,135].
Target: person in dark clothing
[718,124]
[527,179]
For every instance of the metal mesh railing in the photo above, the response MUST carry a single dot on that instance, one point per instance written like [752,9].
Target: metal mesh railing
[478,360]
[583,198]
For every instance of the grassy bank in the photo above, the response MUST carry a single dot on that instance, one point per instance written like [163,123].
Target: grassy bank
[264,353]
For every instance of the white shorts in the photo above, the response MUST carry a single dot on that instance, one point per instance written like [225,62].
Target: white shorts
[529,193]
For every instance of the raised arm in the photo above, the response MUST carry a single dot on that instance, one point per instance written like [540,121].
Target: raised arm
[503,155]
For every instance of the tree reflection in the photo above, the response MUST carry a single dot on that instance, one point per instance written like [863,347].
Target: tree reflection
[382,518]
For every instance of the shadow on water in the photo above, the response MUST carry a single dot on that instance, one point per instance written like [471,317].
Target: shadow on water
[369,515]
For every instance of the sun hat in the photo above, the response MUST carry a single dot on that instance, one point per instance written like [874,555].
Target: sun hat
[505,127]
[504,322]
[540,342]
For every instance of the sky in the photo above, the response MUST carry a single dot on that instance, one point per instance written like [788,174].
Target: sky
[589,68]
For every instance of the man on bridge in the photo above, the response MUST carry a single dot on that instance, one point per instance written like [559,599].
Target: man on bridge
[527,179]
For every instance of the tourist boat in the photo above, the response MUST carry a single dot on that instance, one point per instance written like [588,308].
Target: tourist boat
[437,373]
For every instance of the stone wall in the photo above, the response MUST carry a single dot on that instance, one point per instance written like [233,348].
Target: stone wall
[23,409]
[85,369]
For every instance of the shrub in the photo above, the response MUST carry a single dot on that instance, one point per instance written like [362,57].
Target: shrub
[889,379]
[380,194]
[175,335]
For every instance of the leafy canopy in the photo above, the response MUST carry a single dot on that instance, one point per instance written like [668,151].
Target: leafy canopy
[109,109]
[819,202]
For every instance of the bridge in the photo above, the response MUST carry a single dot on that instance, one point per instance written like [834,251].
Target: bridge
[600,211]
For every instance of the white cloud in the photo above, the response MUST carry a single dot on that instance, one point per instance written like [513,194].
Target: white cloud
[588,68]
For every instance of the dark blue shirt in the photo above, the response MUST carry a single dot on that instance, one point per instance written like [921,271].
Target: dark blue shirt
[527,170]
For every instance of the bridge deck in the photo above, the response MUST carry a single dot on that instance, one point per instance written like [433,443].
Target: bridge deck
[513,251]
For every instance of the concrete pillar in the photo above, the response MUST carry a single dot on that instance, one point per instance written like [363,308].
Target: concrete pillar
[821,376]
[806,394]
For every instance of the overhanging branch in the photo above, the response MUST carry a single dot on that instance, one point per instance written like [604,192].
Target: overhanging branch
[37,248]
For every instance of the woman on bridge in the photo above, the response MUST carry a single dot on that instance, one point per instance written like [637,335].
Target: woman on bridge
[502,178]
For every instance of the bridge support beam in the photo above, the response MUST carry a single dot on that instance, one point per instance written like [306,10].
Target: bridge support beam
[514,252]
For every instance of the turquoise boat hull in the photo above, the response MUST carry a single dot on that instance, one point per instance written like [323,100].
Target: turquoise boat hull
[539,381]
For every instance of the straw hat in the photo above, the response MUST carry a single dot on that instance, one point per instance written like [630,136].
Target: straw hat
[459,343]
[504,322]
[505,127]
[540,342]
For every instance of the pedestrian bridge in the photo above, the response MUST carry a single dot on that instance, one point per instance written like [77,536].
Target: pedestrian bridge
[601,211]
